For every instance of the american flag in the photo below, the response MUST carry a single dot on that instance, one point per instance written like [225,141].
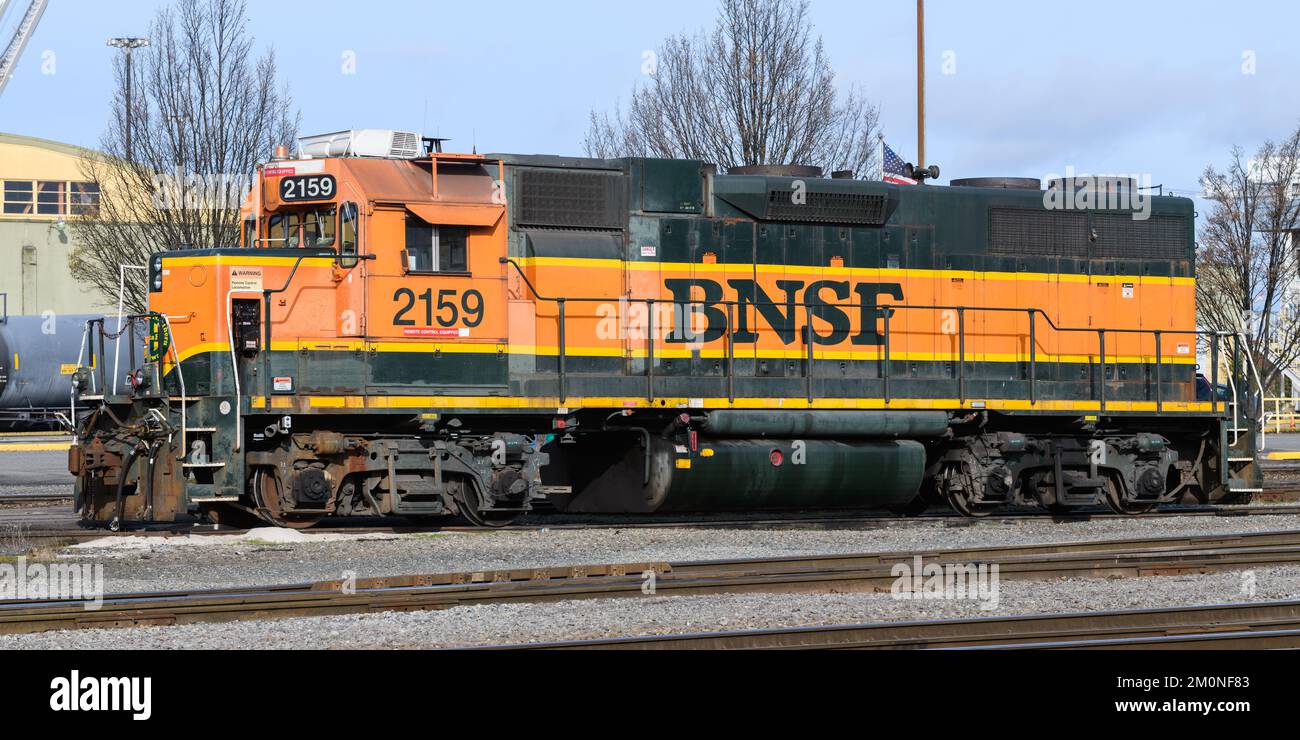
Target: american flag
[893,167]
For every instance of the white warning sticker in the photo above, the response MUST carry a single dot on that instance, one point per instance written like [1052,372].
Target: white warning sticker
[246,279]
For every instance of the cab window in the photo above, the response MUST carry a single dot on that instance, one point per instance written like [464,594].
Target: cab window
[312,229]
[348,234]
[282,230]
[318,228]
[431,248]
[249,232]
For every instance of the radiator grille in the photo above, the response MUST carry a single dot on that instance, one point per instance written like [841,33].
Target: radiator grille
[570,199]
[827,208]
[1051,233]
[1156,238]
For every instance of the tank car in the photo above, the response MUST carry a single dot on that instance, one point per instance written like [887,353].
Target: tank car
[38,356]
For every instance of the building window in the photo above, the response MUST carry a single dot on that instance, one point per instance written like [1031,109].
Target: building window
[84,198]
[18,197]
[432,248]
[51,198]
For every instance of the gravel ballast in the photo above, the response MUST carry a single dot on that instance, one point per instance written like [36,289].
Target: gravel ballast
[266,557]
[650,615]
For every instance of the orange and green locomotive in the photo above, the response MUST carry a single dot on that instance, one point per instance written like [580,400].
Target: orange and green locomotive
[407,332]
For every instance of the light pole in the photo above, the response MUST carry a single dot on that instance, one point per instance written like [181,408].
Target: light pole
[920,83]
[129,44]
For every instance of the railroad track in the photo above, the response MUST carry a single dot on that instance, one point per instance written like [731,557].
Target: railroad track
[35,499]
[60,536]
[1228,626]
[818,574]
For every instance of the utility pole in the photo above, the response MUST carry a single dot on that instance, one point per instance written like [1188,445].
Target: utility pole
[129,44]
[920,84]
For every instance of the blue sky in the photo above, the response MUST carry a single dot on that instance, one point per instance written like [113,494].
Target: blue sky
[1155,86]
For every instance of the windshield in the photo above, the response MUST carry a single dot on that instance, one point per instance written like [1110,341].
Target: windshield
[311,228]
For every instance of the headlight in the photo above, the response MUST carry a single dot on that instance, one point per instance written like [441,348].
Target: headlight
[155,274]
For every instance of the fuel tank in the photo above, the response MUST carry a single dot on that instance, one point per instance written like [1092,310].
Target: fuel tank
[802,424]
[750,474]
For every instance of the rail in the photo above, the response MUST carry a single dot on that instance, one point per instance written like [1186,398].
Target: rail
[884,313]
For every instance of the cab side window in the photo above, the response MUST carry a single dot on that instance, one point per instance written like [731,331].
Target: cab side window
[348,235]
[431,248]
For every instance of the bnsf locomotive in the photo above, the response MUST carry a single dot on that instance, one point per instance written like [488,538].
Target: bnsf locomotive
[415,333]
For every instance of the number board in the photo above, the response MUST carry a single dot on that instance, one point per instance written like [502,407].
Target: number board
[307,188]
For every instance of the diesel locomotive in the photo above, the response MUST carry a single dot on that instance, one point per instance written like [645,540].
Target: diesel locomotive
[407,332]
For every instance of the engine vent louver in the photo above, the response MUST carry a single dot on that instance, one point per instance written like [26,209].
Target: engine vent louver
[567,199]
[826,208]
[1049,233]
[1119,236]
[1069,234]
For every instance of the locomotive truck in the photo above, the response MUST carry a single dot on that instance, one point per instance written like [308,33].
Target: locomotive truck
[407,332]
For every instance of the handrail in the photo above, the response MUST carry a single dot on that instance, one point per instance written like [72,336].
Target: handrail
[886,312]
[1259,384]
[884,307]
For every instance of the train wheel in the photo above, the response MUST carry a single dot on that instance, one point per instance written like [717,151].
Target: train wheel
[266,491]
[469,507]
[956,493]
[1119,505]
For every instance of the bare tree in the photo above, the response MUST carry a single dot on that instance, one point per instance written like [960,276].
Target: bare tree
[1248,271]
[206,111]
[758,90]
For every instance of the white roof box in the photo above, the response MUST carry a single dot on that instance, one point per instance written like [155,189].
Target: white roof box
[366,142]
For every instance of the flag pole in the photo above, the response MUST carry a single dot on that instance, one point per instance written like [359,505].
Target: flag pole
[920,84]
[880,140]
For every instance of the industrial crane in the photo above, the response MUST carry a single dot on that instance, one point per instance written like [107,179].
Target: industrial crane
[26,27]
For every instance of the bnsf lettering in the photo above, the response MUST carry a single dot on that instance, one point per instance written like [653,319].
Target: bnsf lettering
[705,318]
